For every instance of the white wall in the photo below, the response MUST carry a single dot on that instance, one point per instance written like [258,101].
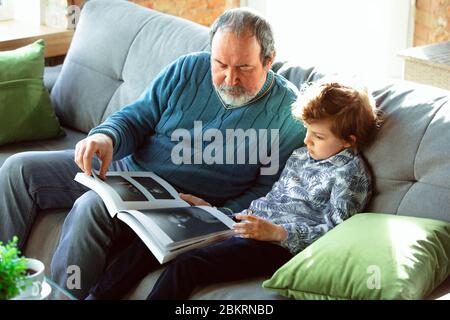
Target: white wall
[352,36]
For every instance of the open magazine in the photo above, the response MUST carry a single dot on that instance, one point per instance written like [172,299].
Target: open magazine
[153,209]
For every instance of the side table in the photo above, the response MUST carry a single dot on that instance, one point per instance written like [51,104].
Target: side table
[428,64]
[56,292]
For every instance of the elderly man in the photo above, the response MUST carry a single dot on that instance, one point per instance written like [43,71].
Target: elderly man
[231,89]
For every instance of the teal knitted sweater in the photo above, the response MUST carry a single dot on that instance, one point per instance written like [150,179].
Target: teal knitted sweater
[181,130]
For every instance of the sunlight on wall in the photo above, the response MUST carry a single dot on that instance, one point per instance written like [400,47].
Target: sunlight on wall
[351,36]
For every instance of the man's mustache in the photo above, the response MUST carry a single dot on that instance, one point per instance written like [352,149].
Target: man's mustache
[234,90]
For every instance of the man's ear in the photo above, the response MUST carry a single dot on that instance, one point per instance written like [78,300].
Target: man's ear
[270,61]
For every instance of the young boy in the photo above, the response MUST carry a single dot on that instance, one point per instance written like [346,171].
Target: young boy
[321,185]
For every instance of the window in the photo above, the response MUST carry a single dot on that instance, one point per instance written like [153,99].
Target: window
[53,13]
[6,10]
[361,37]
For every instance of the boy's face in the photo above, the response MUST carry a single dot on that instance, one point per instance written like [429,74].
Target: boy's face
[321,142]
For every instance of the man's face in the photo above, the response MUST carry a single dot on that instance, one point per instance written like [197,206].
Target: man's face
[321,141]
[237,71]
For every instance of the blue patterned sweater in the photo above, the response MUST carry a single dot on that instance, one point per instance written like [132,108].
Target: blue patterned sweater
[183,93]
[313,196]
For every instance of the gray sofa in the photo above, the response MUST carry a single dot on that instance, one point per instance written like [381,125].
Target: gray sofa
[119,47]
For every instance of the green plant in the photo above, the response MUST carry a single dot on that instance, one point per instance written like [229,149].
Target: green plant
[12,269]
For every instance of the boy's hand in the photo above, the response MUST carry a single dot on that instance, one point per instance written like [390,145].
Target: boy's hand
[193,200]
[257,228]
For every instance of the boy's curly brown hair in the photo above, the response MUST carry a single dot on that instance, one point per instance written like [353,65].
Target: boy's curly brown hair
[351,109]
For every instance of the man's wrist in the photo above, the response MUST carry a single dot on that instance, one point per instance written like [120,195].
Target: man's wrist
[105,132]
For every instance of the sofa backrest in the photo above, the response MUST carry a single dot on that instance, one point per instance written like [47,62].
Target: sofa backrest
[117,49]
[410,157]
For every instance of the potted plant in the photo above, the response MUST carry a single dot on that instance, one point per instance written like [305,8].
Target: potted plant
[12,270]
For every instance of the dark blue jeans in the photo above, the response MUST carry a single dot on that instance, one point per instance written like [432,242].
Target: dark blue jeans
[233,259]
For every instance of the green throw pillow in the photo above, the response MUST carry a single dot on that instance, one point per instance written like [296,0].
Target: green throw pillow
[26,112]
[369,256]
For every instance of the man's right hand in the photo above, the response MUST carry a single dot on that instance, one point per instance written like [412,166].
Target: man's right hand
[99,144]
[193,200]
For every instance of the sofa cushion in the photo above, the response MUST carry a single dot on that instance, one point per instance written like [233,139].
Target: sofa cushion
[370,256]
[99,79]
[67,142]
[233,290]
[26,112]
[46,230]
[50,75]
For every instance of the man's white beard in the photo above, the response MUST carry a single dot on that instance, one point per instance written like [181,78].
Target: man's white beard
[235,101]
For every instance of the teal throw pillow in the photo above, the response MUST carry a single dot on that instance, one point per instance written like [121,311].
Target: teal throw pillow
[369,256]
[26,112]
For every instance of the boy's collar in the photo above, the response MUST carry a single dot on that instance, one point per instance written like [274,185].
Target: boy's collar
[340,158]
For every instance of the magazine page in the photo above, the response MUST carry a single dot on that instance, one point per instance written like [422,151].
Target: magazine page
[132,190]
[219,215]
[156,192]
[151,241]
[112,200]
[177,227]
[169,231]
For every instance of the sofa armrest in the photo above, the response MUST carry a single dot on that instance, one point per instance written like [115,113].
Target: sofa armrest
[50,76]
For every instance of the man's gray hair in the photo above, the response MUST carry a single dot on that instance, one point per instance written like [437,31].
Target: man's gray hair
[241,20]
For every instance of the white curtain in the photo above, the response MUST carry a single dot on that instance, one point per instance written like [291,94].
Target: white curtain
[359,37]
